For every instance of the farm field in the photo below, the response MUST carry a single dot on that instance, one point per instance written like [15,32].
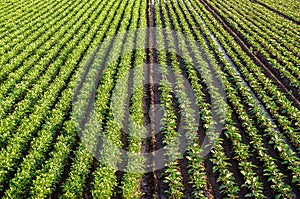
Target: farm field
[150,99]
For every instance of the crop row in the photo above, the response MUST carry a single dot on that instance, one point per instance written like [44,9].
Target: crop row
[287,155]
[270,164]
[22,100]
[135,171]
[277,38]
[289,7]
[241,152]
[18,21]
[284,62]
[12,58]
[17,83]
[170,128]
[104,177]
[266,94]
[72,95]
[71,61]
[41,144]
[267,23]
[194,151]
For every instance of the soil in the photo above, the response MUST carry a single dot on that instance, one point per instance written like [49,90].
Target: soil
[152,184]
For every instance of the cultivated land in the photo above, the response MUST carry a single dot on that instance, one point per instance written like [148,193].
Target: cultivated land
[73,97]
